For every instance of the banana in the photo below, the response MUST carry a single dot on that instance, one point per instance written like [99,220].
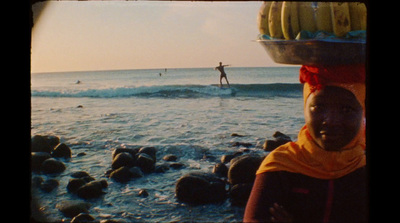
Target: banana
[323,17]
[290,20]
[341,22]
[306,16]
[262,18]
[274,20]
[358,15]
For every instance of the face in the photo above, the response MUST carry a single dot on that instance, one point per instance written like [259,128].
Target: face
[333,117]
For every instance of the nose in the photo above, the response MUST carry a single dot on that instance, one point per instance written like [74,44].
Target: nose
[331,118]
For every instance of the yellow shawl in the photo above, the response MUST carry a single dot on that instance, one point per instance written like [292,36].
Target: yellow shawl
[306,157]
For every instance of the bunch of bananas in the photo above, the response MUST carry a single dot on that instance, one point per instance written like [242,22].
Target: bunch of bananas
[284,20]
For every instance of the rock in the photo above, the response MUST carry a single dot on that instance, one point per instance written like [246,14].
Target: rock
[244,144]
[80,174]
[270,145]
[243,169]
[71,209]
[50,166]
[87,179]
[280,136]
[132,151]
[53,141]
[37,181]
[75,184]
[170,158]
[122,174]
[37,159]
[145,162]
[49,185]
[176,165]
[240,193]
[279,140]
[61,150]
[220,170]
[92,189]
[136,172]
[162,168]
[143,193]
[81,154]
[151,151]
[82,217]
[200,188]
[123,159]
[236,135]
[40,144]
[227,158]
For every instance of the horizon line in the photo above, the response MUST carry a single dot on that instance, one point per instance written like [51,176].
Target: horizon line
[168,68]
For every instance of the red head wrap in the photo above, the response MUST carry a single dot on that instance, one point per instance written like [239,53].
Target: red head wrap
[350,77]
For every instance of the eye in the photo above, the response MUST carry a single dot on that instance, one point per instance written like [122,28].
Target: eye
[317,107]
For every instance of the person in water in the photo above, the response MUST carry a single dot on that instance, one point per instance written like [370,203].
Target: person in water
[223,74]
[322,176]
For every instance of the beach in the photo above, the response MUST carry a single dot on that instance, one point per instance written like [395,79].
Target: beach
[182,112]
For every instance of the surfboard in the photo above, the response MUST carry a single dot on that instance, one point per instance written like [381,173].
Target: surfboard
[222,87]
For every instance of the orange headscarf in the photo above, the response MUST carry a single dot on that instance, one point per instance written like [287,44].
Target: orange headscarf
[305,156]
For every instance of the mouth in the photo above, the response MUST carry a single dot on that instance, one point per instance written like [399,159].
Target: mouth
[329,136]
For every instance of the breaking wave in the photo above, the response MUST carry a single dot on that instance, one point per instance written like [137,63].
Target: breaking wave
[183,91]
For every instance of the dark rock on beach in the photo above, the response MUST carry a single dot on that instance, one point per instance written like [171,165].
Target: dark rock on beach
[80,174]
[243,144]
[75,184]
[228,157]
[49,185]
[220,169]
[136,172]
[279,140]
[143,193]
[123,159]
[200,188]
[170,158]
[40,144]
[92,189]
[52,166]
[151,151]
[61,150]
[82,217]
[37,159]
[86,186]
[243,169]
[122,174]
[236,135]
[132,151]
[146,162]
[71,209]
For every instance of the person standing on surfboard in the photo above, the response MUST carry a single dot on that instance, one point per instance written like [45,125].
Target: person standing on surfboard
[223,74]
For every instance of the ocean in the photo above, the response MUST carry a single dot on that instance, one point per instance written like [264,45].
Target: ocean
[181,112]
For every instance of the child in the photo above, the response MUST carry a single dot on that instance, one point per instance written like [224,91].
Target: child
[321,177]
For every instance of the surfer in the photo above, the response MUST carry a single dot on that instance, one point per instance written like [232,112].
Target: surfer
[223,74]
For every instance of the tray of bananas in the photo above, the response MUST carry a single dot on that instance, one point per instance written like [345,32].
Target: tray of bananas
[313,33]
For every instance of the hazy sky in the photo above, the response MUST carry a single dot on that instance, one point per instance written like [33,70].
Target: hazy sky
[72,36]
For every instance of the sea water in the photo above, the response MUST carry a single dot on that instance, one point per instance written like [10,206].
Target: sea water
[179,111]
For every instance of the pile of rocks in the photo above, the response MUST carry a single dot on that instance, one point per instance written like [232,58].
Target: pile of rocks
[85,186]
[46,152]
[237,171]
[135,162]
[202,188]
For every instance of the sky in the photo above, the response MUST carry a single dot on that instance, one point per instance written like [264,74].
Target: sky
[117,35]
